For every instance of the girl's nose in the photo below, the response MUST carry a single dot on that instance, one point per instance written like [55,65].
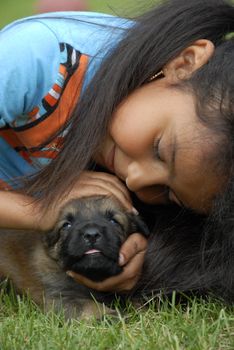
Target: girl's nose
[148,182]
[142,174]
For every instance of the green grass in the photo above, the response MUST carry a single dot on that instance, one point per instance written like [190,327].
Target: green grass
[198,326]
[14,9]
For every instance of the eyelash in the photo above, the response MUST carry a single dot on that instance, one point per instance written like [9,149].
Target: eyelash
[158,157]
[156,150]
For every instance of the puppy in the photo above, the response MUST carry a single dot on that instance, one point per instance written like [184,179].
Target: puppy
[86,239]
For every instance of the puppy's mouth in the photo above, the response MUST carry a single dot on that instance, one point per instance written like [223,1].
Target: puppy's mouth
[93,263]
[92,252]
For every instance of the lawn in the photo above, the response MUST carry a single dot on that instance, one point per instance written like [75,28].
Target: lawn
[198,326]
[13,9]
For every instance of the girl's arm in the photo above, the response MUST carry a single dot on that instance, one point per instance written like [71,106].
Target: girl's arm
[23,212]
[18,211]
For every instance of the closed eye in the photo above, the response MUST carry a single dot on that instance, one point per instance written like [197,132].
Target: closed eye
[172,197]
[156,149]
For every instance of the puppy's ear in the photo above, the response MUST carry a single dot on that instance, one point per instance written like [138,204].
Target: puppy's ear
[138,225]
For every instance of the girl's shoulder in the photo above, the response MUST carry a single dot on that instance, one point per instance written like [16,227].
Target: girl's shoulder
[32,50]
[87,32]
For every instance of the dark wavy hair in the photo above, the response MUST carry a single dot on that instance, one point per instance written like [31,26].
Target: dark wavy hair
[187,252]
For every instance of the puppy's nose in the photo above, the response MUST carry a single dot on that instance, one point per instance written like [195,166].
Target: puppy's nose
[91,234]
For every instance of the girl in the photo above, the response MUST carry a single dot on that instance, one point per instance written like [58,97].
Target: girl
[149,101]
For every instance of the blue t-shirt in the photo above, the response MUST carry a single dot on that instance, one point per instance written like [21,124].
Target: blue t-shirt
[46,62]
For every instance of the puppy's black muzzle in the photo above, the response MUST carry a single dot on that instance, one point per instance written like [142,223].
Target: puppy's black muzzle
[92,249]
[92,234]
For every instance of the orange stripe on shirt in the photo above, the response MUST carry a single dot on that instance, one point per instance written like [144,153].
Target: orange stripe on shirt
[34,112]
[51,100]
[4,186]
[11,138]
[38,134]
[63,71]
[57,88]
[51,154]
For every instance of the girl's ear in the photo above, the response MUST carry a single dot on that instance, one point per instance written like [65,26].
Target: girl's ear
[188,61]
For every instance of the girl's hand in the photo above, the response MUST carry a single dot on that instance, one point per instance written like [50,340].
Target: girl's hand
[89,183]
[100,183]
[132,255]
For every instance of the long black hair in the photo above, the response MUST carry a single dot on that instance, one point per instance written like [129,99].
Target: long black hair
[190,253]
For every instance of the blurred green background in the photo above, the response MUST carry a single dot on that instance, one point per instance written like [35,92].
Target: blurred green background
[13,9]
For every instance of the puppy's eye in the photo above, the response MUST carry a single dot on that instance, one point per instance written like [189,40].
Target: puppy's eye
[113,221]
[66,225]
[111,217]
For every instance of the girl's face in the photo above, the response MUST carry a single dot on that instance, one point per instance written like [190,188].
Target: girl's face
[159,148]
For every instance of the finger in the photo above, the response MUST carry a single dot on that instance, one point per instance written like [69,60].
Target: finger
[125,281]
[110,179]
[131,273]
[93,187]
[106,177]
[135,244]
[108,285]
[112,284]
[100,187]
[87,189]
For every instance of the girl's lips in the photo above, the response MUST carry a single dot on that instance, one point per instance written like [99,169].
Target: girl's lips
[110,160]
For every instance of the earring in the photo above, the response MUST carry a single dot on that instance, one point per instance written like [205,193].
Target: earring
[157,75]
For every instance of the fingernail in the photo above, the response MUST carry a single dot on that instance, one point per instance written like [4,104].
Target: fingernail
[135,211]
[121,259]
[69,273]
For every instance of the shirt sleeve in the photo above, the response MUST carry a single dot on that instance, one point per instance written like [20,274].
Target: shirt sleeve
[29,63]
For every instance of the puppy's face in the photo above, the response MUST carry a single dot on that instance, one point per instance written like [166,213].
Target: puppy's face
[88,236]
